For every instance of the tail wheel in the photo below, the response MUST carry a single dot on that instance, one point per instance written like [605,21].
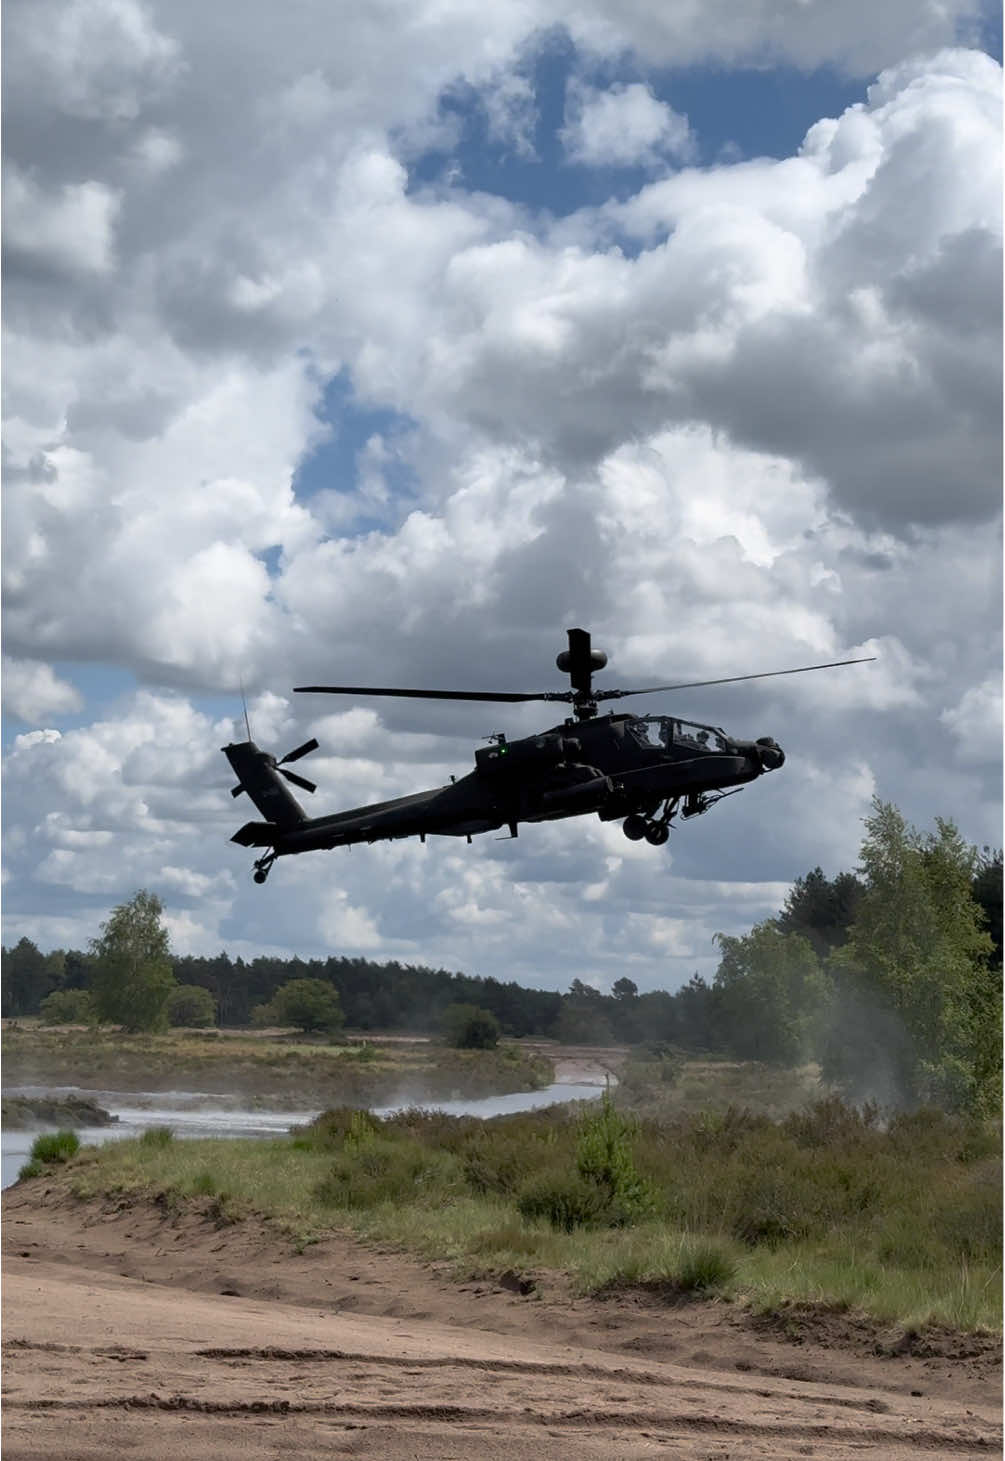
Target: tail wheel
[634,827]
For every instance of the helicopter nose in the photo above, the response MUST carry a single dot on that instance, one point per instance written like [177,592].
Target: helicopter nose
[771,754]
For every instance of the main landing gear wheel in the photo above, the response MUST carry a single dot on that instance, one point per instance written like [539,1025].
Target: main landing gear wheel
[262,867]
[634,827]
[657,833]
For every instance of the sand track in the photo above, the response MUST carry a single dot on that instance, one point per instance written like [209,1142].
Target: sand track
[130,1332]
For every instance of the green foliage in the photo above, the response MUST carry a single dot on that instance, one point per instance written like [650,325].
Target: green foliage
[466,1027]
[306,1004]
[605,1189]
[625,989]
[373,1171]
[566,1203]
[987,894]
[366,1053]
[704,1267]
[156,1136]
[604,1158]
[916,996]
[329,1131]
[362,1132]
[67,1007]
[132,975]
[55,1146]
[769,992]
[583,1017]
[191,1006]
[821,909]
[28,976]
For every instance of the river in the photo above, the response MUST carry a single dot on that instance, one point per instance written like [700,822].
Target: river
[196,1114]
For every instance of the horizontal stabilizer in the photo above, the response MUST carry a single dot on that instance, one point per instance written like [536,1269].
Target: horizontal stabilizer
[257,834]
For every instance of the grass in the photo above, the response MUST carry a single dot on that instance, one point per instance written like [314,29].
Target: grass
[299,1071]
[55,1147]
[48,1150]
[156,1136]
[898,1219]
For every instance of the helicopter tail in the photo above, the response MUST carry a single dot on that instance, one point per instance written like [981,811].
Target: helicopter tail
[264,779]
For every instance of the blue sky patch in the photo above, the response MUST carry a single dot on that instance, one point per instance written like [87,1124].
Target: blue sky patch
[334,466]
[734,114]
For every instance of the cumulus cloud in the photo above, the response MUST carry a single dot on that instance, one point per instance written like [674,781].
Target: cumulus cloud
[69,230]
[624,126]
[745,418]
[855,37]
[31,691]
[976,723]
[92,60]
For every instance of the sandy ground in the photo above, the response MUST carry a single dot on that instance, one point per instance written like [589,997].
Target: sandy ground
[129,1331]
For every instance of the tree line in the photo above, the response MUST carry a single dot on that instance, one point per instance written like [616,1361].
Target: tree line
[889,976]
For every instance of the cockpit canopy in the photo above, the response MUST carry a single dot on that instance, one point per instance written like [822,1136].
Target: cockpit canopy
[660,732]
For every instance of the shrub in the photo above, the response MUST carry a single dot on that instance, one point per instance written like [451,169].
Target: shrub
[604,1190]
[67,1007]
[191,1006]
[831,1122]
[565,1203]
[494,1164]
[55,1146]
[466,1027]
[328,1132]
[386,1171]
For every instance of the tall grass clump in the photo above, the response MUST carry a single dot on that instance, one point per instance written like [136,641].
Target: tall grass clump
[55,1146]
[704,1267]
[49,1149]
[157,1136]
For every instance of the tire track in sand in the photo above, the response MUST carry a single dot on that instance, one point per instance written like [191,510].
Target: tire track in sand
[164,1372]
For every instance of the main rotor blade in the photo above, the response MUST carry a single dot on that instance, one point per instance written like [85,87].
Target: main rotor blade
[504,697]
[729,679]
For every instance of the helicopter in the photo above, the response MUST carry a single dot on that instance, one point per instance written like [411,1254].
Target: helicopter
[641,770]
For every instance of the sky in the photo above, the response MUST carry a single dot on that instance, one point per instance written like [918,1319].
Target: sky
[382,344]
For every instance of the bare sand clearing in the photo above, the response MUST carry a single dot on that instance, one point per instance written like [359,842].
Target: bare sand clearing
[129,1331]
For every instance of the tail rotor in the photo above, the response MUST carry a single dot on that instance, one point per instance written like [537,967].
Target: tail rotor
[281,766]
[304,750]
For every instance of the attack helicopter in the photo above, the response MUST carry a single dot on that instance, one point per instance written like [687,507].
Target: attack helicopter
[642,770]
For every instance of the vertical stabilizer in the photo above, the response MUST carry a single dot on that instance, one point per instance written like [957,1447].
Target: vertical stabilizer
[258,774]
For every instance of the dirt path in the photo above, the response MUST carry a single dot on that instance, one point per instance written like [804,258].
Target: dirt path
[130,1331]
